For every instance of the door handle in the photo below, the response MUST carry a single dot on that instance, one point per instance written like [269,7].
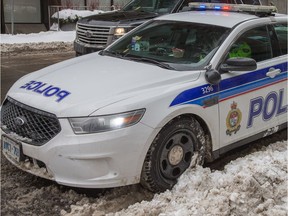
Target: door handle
[273,72]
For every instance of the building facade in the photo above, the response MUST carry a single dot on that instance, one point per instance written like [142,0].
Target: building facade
[27,16]
[18,16]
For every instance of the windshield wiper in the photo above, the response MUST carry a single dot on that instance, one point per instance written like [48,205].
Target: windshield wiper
[111,53]
[153,61]
[136,58]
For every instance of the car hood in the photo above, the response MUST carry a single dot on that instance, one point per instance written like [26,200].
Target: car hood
[117,17]
[82,85]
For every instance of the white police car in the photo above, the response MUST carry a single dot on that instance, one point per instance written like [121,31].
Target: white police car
[179,90]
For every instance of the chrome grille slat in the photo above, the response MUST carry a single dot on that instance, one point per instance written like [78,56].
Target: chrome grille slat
[92,42]
[94,34]
[94,29]
[98,35]
[39,127]
[94,38]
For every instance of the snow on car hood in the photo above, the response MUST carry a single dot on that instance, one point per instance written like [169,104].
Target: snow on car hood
[80,86]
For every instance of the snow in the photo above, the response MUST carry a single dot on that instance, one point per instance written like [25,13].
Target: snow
[49,36]
[252,185]
[75,14]
[37,42]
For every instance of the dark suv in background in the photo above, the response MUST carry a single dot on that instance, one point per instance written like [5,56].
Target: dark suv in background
[95,32]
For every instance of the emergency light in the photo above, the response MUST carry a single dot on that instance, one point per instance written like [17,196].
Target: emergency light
[233,7]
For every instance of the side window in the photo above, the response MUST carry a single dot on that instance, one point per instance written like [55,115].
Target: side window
[281,32]
[254,43]
[167,3]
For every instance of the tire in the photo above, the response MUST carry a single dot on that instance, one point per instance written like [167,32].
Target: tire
[171,153]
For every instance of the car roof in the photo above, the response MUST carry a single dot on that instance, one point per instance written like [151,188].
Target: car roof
[218,18]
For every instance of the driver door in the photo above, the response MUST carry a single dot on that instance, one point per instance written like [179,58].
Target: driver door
[253,103]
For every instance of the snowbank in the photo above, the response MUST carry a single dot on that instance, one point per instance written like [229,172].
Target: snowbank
[49,36]
[68,18]
[253,185]
[69,14]
[37,42]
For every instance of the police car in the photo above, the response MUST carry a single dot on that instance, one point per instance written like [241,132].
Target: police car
[177,91]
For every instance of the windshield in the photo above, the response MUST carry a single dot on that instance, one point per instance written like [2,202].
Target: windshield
[155,6]
[181,45]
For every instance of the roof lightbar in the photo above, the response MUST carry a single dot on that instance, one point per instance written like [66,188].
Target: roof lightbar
[233,7]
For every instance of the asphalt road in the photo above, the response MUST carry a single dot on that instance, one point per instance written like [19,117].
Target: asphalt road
[14,67]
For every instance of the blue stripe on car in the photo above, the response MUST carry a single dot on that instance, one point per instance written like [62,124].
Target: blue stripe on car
[231,87]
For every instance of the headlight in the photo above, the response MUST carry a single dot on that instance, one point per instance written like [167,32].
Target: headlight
[119,31]
[105,123]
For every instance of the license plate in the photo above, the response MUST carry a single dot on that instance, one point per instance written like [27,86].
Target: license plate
[12,148]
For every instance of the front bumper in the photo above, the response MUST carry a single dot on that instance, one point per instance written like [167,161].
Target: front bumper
[100,160]
[82,48]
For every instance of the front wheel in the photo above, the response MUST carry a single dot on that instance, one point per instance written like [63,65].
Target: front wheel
[171,153]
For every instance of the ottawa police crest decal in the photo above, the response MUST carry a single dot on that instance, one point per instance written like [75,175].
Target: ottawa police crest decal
[233,119]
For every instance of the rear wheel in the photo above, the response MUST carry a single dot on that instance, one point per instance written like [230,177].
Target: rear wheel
[171,153]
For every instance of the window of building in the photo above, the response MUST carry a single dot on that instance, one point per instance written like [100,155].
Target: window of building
[28,11]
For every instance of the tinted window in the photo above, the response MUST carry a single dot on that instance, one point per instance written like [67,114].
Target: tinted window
[251,2]
[281,32]
[254,43]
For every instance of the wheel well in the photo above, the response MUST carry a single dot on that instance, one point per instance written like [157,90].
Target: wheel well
[208,153]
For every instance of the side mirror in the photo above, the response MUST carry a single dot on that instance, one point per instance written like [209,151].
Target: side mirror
[213,76]
[239,64]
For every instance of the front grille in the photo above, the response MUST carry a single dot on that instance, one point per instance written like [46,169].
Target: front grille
[93,35]
[35,126]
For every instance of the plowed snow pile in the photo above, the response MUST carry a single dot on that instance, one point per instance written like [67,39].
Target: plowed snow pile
[35,47]
[253,185]
[56,41]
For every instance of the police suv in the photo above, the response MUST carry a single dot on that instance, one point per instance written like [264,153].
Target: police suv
[176,91]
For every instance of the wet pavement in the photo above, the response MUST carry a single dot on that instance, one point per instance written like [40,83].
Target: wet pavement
[14,67]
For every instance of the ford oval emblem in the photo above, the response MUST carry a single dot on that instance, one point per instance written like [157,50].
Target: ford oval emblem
[20,121]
